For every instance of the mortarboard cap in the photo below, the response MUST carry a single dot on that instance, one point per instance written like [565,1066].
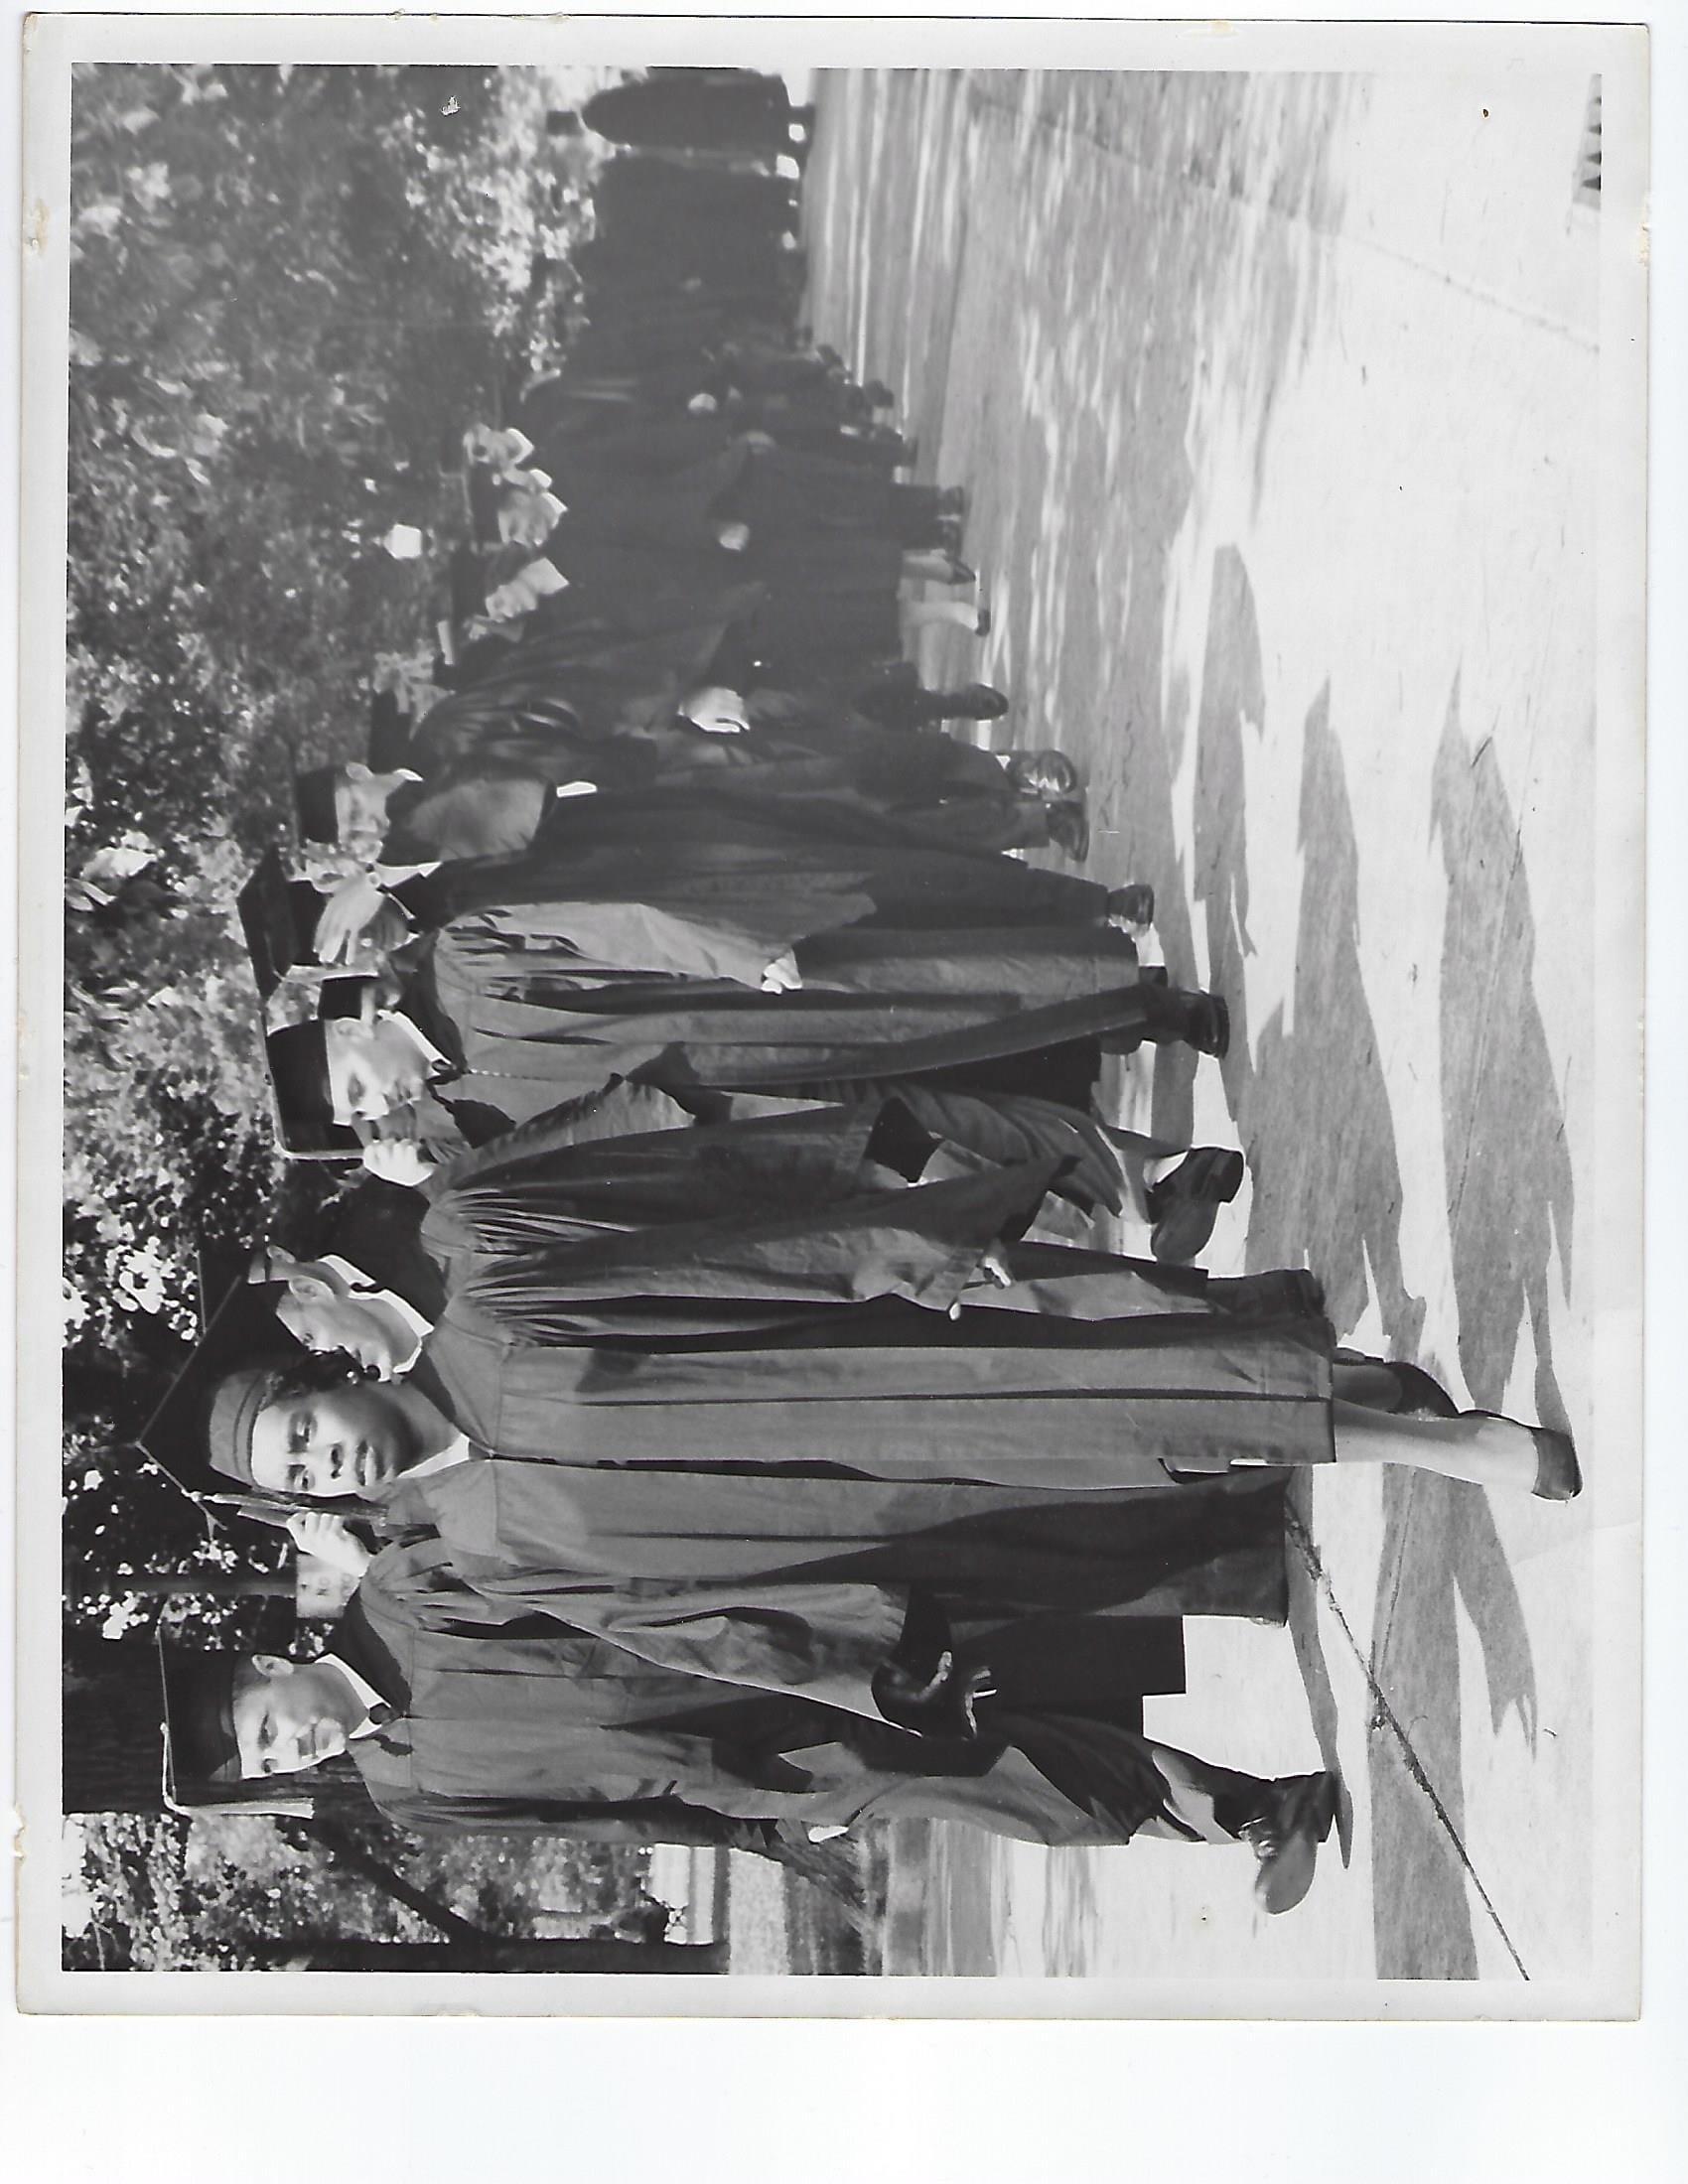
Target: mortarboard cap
[297,1060]
[314,804]
[389,734]
[279,917]
[201,1751]
[484,499]
[239,1330]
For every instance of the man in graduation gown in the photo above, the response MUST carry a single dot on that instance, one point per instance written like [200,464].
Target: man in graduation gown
[462,1711]
[669,952]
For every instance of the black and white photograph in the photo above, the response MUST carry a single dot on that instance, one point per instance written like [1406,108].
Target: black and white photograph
[849,851]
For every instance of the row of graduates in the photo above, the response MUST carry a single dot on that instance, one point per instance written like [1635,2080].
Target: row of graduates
[700,1384]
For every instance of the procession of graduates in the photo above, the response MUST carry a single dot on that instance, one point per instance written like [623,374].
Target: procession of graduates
[699,1378]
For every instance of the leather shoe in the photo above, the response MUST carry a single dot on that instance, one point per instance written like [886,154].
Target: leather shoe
[1185,1204]
[1070,827]
[1286,1838]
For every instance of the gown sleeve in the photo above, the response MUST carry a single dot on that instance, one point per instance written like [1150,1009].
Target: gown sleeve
[924,1242]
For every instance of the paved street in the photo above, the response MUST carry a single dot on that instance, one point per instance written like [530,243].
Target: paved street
[1275,400]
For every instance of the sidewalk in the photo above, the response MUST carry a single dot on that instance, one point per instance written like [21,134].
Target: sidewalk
[1274,434]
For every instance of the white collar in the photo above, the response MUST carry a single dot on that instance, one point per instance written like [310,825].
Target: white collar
[424,1044]
[366,1694]
[454,1452]
[369,1292]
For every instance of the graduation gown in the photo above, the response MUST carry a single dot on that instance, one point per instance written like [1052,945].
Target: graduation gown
[538,1193]
[522,1029]
[503,1721]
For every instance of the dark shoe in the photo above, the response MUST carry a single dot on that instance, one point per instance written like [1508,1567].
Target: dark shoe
[1070,827]
[960,574]
[947,536]
[953,500]
[1559,1477]
[1133,906]
[1286,1838]
[1049,773]
[1185,1205]
[982,626]
[1204,1023]
[978,702]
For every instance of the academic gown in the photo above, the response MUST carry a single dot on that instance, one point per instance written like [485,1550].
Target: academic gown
[519,1039]
[561,1181]
[809,765]
[503,1721]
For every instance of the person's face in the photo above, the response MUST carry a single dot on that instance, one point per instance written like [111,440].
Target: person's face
[488,444]
[372,1067]
[289,1714]
[331,1442]
[320,1317]
[361,809]
[527,518]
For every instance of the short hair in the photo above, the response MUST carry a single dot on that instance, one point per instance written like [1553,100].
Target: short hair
[314,803]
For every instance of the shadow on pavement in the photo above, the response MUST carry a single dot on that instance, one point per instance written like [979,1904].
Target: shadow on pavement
[1314,1109]
[1511,1201]
[1509,1184]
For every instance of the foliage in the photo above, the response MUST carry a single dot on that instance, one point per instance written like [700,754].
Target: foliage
[167,1893]
[289,291]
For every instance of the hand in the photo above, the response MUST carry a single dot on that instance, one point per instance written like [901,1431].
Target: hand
[996,1267]
[329,1538]
[399,1160]
[366,951]
[717,710]
[346,917]
[782,975]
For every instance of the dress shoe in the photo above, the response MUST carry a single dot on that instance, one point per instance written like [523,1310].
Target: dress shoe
[1133,906]
[1286,1838]
[1070,827]
[1185,1204]
[1206,1026]
[1044,772]
[978,702]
